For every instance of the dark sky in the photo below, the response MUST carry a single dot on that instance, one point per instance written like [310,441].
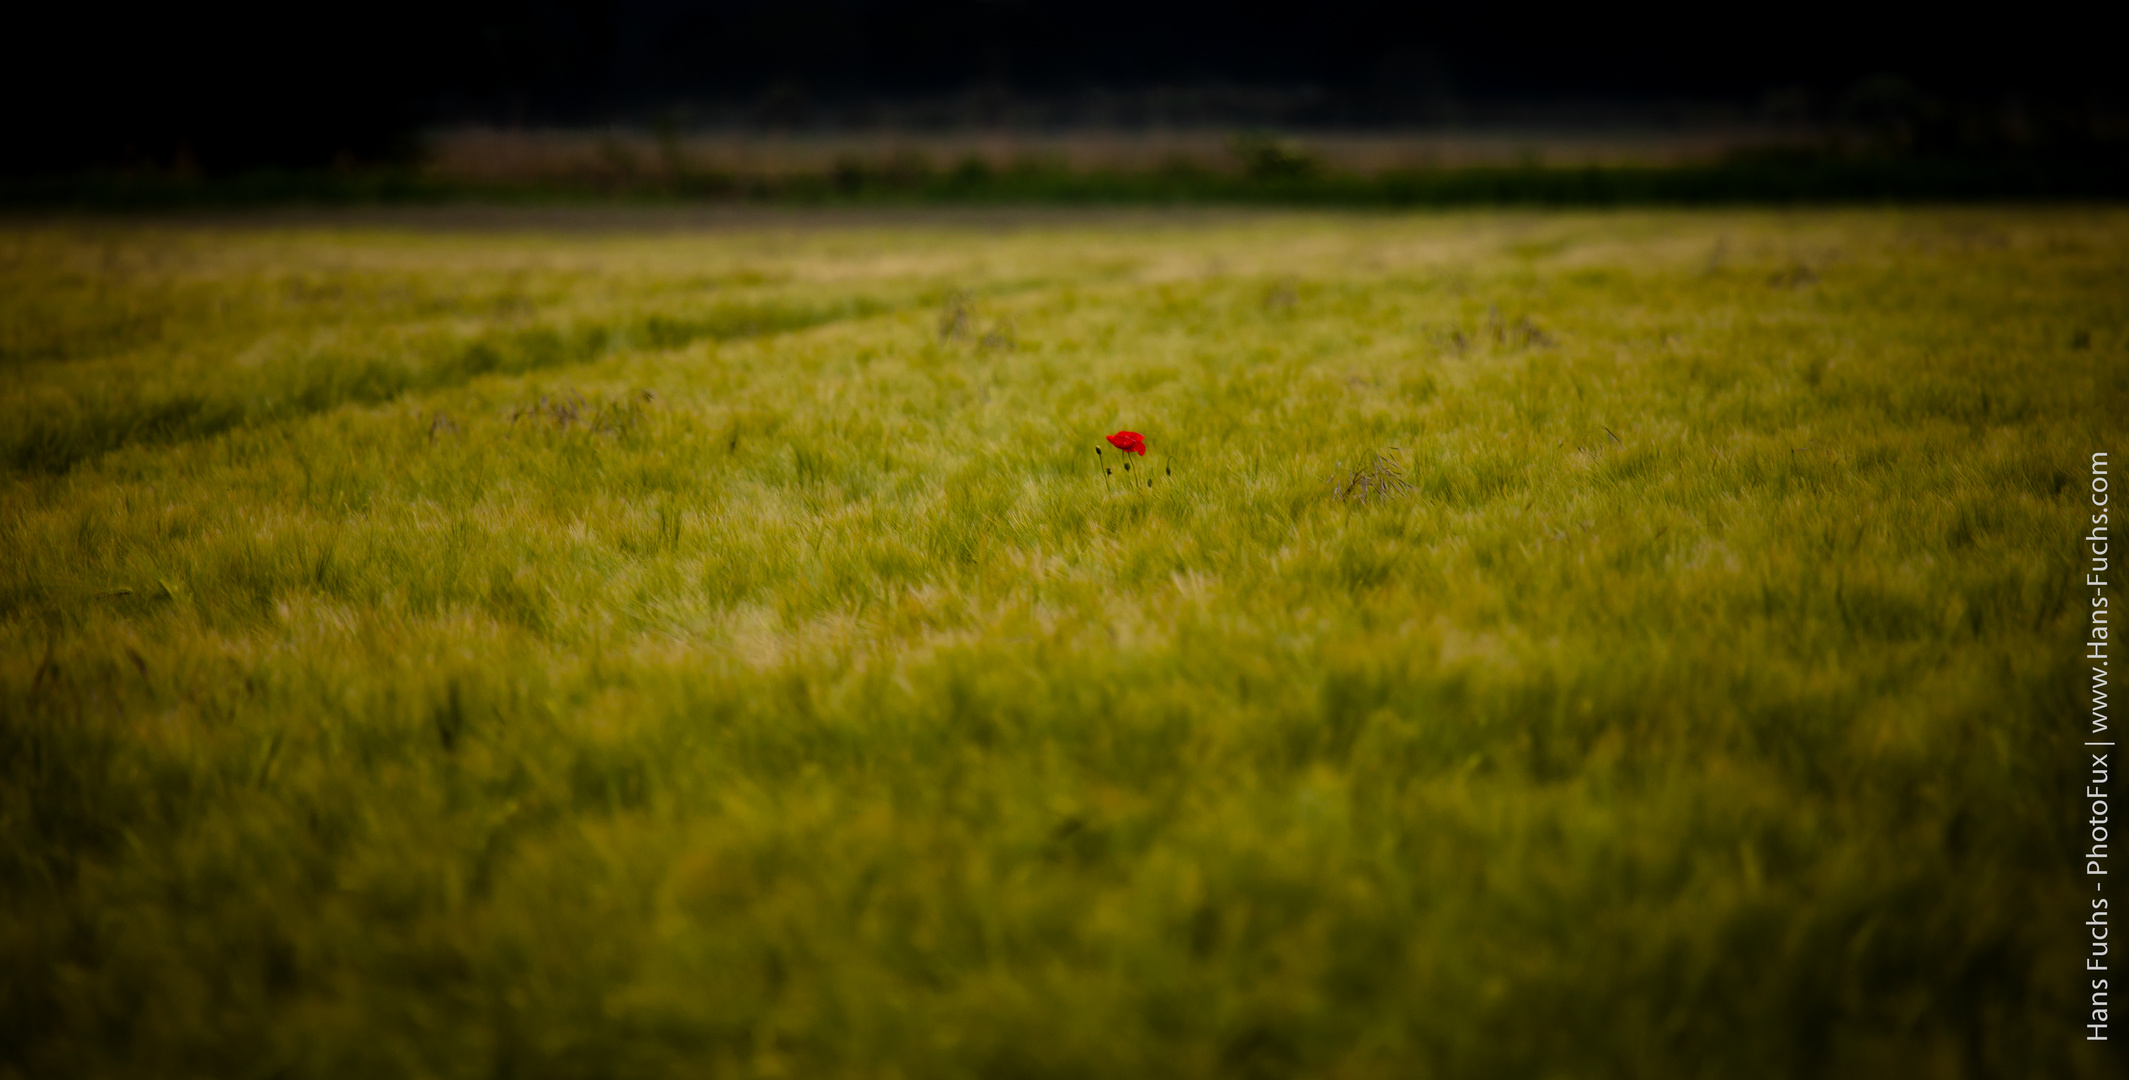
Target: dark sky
[103,85]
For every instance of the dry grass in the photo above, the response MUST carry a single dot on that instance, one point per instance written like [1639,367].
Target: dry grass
[493,156]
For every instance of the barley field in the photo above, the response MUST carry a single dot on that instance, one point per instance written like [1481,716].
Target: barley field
[620,644]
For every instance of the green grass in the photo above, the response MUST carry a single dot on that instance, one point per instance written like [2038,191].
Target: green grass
[638,654]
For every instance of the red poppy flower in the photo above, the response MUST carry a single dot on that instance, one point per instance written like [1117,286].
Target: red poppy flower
[1130,442]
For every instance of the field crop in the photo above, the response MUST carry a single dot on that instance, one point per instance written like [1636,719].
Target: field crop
[1608,645]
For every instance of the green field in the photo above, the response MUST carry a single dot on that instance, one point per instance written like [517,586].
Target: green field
[629,646]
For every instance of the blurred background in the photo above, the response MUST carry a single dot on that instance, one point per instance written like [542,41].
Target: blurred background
[827,98]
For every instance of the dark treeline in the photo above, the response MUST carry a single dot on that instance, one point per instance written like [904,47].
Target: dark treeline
[1784,179]
[173,90]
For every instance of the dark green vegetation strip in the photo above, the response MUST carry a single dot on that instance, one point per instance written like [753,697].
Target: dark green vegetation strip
[1774,178]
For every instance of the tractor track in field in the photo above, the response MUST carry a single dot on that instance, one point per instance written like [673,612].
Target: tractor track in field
[55,443]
